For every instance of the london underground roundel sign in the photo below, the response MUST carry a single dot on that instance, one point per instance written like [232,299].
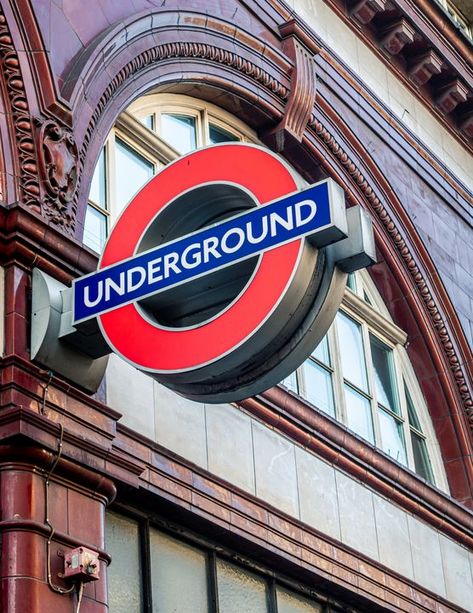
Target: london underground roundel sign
[222,274]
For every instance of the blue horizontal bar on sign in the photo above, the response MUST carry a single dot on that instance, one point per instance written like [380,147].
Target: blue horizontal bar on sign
[202,252]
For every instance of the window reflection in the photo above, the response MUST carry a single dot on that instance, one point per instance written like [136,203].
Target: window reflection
[384,374]
[392,437]
[131,172]
[351,348]
[95,229]
[219,135]
[359,417]
[179,131]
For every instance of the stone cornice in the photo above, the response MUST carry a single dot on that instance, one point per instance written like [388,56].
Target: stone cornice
[424,49]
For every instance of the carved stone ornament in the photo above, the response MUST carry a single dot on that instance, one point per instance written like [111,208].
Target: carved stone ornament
[58,157]
[18,111]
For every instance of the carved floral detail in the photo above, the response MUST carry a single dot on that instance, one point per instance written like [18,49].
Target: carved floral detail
[423,289]
[21,118]
[58,157]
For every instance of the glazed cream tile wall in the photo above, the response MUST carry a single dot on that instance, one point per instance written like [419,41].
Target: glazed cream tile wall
[238,448]
[384,84]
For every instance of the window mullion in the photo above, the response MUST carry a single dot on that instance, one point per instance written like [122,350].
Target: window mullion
[337,376]
[203,128]
[272,597]
[111,163]
[147,599]
[401,386]
[371,383]
[213,583]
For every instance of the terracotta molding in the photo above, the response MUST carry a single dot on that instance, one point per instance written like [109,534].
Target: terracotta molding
[336,567]
[384,112]
[45,85]
[57,158]
[365,10]
[452,62]
[450,96]
[82,445]
[27,238]
[438,324]
[301,50]
[21,121]
[25,456]
[181,50]
[25,525]
[326,438]
[52,165]
[208,41]
[422,68]
[396,36]
[445,28]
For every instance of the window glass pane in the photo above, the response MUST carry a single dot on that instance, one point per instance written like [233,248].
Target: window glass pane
[148,121]
[178,576]
[124,573]
[392,437]
[98,186]
[422,463]
[421,457]
[179,131]
[384,374]
[219,135]
[351,282]
[351,350]
[291,382]
[321,352]
[239,590]
[318,386]
[132,172]
[95,229]
[359,417]
[411,412]
[289,602]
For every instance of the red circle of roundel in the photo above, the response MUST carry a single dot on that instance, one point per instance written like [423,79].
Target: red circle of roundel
[147,345]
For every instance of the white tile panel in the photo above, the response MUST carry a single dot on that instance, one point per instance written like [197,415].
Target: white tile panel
[357,522]
[317,493]
[426,556]
[275,469]
[131,393]
[457,572]
[180,425]
[230,445]
[393,536]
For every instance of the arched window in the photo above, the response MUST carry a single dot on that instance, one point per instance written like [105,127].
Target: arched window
[360,373]
[154,130]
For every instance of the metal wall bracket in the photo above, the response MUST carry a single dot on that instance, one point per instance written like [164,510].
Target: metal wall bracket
[78,355]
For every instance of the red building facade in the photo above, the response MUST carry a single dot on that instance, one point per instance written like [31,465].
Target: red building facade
[69,71]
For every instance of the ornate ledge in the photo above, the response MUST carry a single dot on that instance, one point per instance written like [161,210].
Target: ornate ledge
[424,47]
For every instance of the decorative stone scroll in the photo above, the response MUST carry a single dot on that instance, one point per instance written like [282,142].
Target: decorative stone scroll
[58,156]
[301,50]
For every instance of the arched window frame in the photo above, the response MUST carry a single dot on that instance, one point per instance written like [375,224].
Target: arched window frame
[374,319]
